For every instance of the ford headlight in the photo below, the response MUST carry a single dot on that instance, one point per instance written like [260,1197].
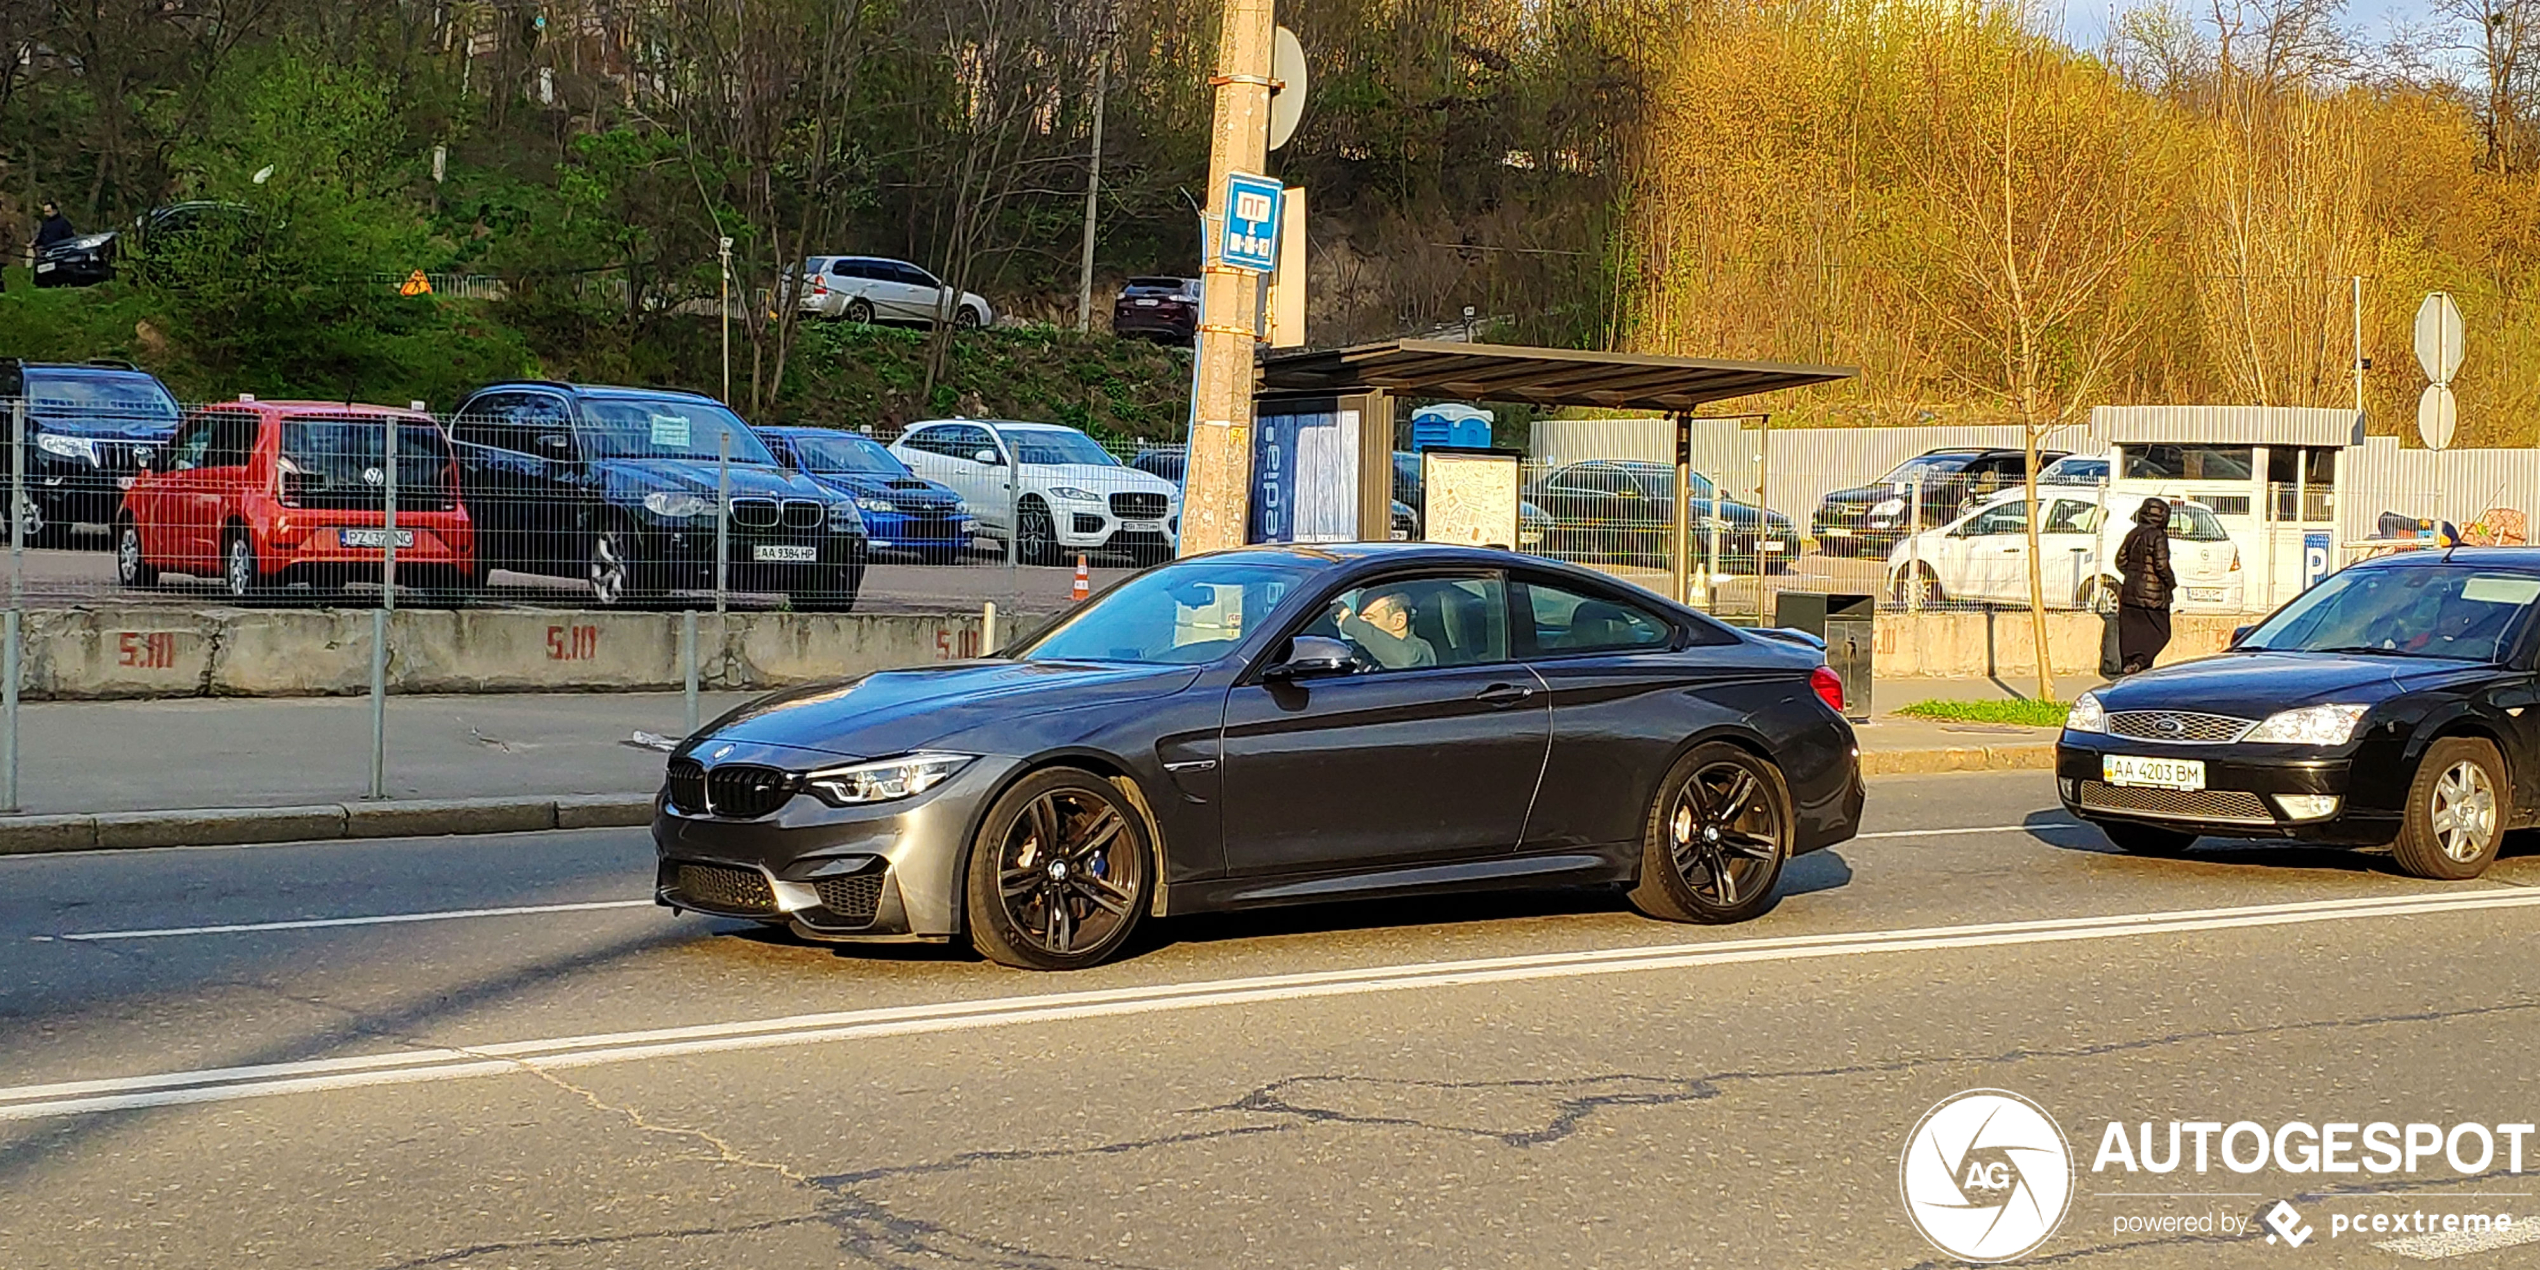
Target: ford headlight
[2310,725]
[1071,494]
[884,780]
[2086,715]
[678,506]
[874,505]
[81,448]
[1888,507]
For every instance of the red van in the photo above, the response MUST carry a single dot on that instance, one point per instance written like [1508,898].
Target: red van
[266,494]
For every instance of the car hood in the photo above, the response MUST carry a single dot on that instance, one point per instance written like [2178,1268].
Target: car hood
[2253,685]
[903,489]
[1099,478]
[103,427]
[1873,493]
[897,711]
[698,476]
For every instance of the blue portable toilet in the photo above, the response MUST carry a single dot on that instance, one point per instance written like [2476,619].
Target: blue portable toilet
[1450,424]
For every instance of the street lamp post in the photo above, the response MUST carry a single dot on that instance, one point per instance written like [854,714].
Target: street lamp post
[724,248]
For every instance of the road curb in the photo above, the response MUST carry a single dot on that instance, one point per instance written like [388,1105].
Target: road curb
[1972,758]
[241,826]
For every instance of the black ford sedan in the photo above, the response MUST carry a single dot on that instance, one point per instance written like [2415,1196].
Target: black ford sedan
[1274,725]
[2391,703]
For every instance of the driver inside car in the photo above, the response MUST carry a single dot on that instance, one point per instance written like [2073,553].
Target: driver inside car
[1381,626]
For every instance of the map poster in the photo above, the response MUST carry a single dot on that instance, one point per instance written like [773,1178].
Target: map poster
[1470,497]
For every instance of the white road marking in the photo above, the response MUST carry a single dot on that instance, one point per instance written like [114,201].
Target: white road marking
[2435,1247]
[384,919]
[1943,833]
[29,1102]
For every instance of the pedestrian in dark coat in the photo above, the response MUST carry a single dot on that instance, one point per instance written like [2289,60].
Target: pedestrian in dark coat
[2143,602]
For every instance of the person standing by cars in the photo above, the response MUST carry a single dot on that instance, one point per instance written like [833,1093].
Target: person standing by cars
[55,228]
[2143,602]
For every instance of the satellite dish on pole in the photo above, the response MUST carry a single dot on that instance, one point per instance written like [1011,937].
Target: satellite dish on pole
[1287,96]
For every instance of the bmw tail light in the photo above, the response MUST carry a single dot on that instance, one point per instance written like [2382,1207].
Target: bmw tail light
[1828,686]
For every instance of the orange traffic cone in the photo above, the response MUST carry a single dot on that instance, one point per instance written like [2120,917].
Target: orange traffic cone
[1084,584]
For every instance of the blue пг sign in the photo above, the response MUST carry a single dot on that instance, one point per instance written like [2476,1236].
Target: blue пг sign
[1251,240]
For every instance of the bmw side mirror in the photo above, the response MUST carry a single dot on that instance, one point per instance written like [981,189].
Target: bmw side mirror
[1314,657]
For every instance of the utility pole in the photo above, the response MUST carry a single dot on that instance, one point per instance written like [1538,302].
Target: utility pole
[1218,488]
[724,252]
[1093,171]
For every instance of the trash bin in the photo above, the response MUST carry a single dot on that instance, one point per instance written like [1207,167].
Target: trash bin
[1849,625]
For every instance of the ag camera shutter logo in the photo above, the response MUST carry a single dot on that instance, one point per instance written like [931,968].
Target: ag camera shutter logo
[1987,1175]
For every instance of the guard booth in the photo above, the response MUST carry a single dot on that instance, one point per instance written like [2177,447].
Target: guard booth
[2274,476]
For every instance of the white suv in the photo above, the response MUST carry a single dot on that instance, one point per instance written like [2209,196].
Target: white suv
[872,289]
[1050,490]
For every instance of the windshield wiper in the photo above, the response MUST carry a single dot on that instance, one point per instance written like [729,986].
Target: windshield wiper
[2348,648]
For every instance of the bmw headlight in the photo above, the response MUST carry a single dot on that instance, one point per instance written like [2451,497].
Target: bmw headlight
[1887,507]
[884,780]
[2310,725]
[843,518]
[678,506]
[869,504]
[2086,715]
[81,448]
[1071,494]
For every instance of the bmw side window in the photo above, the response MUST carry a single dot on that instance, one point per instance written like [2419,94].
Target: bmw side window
[1419,623]
[1570,623]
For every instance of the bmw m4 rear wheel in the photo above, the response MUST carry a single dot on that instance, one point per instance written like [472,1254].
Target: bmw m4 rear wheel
[1719,832]
[1060,874]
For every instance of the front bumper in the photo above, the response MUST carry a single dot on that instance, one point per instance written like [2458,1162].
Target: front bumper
[887,871]
[1094,525]
[79,267]
[908,531]
[2241,785]
[684,558]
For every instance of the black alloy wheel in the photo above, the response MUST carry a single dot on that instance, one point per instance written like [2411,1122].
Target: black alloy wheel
[1719,832]
[1035,535]
[1060,874]
[132,567]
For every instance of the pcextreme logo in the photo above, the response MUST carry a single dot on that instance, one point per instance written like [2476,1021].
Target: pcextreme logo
[1987,1175]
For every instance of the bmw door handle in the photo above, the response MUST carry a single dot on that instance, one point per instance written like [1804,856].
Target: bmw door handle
[1503,694]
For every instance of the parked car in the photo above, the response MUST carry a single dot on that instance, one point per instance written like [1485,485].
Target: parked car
[1619,509]
[1047,489]
[1161,309]
[1534,525]
[2075,469]
[2383,705]
[93,258]
[1869,519]
[87,427]
[1983,555]
[265,495]
[1268,726]
[1172,461]
[874,289]
[620,487]
[902,511]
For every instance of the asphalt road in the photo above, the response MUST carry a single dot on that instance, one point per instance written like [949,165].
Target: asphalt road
[208,1064]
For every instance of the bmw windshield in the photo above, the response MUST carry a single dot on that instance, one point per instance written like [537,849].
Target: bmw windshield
[668,428]
[2446,611]
[1181,614]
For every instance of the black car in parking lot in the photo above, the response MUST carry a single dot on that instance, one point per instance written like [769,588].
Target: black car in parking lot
[1869,520]
[2390,703]
[1620,509]
[1266,726]
[621,486]
[89,427]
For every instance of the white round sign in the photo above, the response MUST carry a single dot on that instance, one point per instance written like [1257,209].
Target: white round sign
[2438,414]
[1987,1175]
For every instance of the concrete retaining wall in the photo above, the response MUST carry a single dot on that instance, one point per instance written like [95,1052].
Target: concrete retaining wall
[99,653]
[1996,642]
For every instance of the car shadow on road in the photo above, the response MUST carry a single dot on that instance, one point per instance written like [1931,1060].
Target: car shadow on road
[2060,831]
